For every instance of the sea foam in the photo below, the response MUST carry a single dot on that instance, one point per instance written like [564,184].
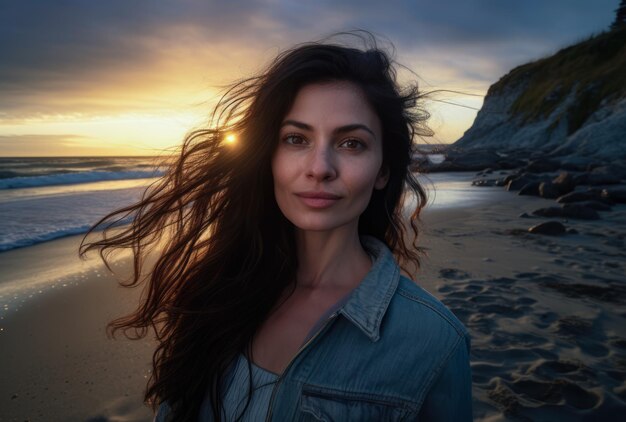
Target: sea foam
[76,177]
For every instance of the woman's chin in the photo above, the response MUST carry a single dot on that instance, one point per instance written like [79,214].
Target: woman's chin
[320,225]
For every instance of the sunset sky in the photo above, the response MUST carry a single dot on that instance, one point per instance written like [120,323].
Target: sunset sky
[120,77]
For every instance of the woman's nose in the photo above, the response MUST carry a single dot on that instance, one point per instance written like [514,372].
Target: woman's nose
[321,164]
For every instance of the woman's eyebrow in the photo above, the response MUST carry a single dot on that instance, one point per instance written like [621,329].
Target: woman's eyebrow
[341,129]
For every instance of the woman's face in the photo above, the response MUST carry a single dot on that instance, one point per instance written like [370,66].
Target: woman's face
[329,157]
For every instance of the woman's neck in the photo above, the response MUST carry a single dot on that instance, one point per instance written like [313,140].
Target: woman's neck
[333,259]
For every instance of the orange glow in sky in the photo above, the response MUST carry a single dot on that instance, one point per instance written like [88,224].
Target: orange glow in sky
[134,78]
[147,107]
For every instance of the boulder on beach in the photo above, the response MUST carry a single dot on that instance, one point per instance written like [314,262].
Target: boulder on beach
[549,190]
[574,211]
[580,212]
[596,179]
[596,205]
[485,182]
[578,196]
[564,183]
[550,228]
[549,212]
[531,188]
[617,195]
[519,181]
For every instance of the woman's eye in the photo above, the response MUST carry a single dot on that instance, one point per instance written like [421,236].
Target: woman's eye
[352,144]
[294,140]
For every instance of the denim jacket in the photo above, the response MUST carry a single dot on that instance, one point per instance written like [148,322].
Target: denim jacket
[392,352]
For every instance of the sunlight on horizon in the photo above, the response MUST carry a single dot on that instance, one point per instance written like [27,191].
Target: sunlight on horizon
[123,134]
[153,133]
[152,116]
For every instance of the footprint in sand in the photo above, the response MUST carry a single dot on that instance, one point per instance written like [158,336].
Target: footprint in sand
[544,319]
[556,392]
[453,274]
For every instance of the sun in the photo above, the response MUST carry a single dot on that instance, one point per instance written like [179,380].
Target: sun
[230,139]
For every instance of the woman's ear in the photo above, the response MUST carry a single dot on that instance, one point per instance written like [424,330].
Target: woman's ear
[382,178]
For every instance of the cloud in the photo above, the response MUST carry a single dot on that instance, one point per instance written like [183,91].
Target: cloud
[36,145]
[83,51]
[99,57]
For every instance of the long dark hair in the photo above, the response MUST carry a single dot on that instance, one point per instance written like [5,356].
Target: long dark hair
[226,251]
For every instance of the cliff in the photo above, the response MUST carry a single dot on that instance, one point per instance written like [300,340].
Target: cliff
[571,104]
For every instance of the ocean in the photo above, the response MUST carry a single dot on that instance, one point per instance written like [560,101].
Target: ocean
[47,198]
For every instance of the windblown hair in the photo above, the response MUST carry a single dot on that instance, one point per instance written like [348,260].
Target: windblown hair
[226,253]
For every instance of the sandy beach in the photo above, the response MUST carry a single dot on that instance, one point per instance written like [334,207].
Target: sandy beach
[546,315]
[57,363]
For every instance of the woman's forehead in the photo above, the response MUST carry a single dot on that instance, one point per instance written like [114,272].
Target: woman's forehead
[339,103]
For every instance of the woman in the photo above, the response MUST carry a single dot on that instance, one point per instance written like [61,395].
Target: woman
[276,295]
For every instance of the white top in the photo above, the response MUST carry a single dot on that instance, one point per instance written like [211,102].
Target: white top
[236,393]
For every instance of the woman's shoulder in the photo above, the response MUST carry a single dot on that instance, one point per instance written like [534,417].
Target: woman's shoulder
[418,304]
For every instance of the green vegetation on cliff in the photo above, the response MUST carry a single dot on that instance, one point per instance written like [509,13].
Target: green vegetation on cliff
[594,68]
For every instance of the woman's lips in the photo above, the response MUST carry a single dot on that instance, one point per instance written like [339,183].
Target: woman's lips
[318,199]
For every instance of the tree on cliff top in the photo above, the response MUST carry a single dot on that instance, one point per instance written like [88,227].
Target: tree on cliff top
[620,16]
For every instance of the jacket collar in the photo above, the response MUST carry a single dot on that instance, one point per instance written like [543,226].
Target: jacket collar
[368,302]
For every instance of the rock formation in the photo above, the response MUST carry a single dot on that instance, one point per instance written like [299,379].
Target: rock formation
[570,106]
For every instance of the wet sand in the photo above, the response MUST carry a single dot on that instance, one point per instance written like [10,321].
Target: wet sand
[56,361]
[546,315]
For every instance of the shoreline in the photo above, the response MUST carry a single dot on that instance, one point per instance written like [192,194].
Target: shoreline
[544,312]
